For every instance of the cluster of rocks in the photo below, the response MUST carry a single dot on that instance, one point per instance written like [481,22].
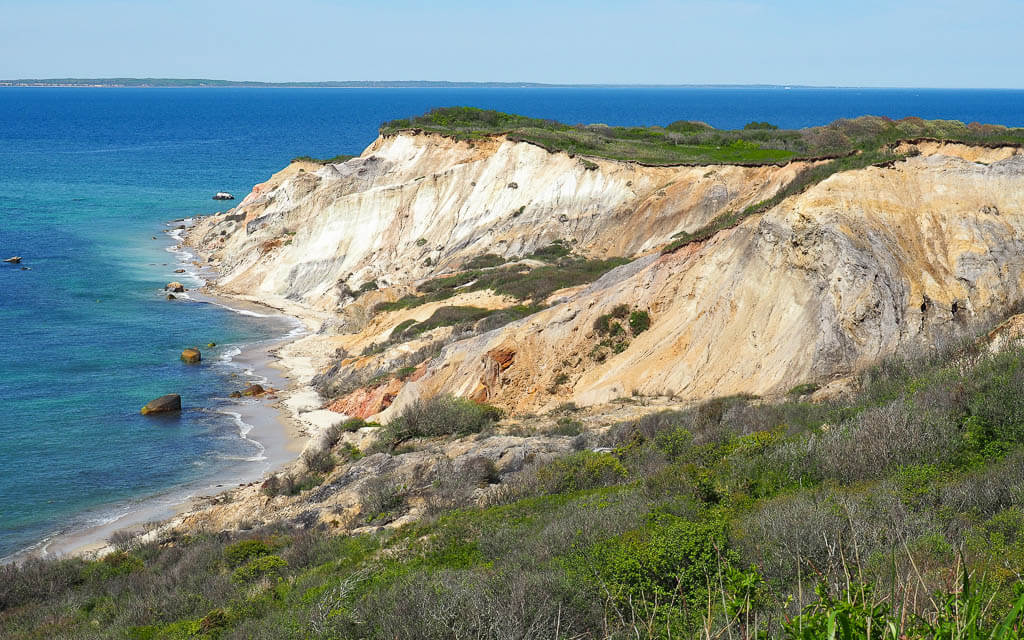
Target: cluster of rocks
[172,401]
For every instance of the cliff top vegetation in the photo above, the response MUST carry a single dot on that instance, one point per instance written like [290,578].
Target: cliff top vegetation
[686,142]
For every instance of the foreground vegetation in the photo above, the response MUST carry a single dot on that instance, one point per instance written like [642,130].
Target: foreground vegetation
[685,142]
[893,514]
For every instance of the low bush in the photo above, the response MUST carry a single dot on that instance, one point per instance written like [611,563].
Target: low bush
[440,416]
[240,552]
[639,321]
[265,566]
[112,565]
[319,462]
[484,261]
[380,497]
[583,470]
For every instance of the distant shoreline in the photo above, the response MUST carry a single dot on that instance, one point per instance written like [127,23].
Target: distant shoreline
[203,83]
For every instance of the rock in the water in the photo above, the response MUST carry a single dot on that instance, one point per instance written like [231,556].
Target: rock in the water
[179,271]
[191,356]
[235,394]
[211,344]
[163,404]
[223,195]
[176,287]
[13,259]
[171,296]
[253,390]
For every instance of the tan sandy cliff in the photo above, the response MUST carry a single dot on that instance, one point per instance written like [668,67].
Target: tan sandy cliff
[856,267]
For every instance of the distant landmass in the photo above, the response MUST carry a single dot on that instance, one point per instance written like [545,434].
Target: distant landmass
[203,82]
[339,84]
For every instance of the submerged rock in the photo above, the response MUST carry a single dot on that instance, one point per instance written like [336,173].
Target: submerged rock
[191,356]
[163,404]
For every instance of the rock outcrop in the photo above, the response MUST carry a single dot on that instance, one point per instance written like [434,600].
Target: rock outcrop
[164,404]
[191,356]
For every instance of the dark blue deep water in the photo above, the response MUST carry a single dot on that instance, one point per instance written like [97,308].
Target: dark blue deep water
[89,176]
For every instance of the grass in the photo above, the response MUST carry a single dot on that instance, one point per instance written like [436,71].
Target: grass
[335,160]
[522,283]
[697,143]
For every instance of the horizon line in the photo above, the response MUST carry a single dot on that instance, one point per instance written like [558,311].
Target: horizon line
[207,83]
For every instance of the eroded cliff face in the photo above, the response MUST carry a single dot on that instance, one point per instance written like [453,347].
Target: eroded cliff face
[415,205]
[855,268]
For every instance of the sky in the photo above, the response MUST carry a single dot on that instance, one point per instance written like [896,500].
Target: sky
[868,43]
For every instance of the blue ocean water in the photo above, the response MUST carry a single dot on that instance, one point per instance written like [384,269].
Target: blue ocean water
[88,177]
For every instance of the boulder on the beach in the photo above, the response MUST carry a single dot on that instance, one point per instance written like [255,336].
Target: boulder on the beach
[163,404]
[176,287]
[191,356]
[253,390]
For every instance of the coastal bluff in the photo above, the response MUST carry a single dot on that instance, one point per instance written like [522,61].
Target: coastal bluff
[811,290]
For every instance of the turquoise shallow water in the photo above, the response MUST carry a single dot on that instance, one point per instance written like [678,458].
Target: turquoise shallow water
[88,177]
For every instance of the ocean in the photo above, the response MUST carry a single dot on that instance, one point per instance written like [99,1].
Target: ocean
[90,180]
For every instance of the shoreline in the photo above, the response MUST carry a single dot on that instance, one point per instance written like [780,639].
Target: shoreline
[273,423]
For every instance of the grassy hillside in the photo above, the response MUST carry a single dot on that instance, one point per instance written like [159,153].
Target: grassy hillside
[893,514]
[685,142]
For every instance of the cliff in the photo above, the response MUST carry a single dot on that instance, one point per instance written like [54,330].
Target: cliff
[854,268]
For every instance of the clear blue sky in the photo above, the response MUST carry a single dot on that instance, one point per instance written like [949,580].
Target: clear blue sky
[919,43]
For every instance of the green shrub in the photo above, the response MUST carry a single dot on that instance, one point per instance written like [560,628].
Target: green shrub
[259,567]
[368,286]
[484,261]
[639,321]
[670,563]
[582,470]
[214,621]
[349,425]
[242,551]
[404,373]
[566,426]
[338,159]
[291,484]
[421,242]
[803,389]
[675,443]
[112,565]
[438,416]
[319,462]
